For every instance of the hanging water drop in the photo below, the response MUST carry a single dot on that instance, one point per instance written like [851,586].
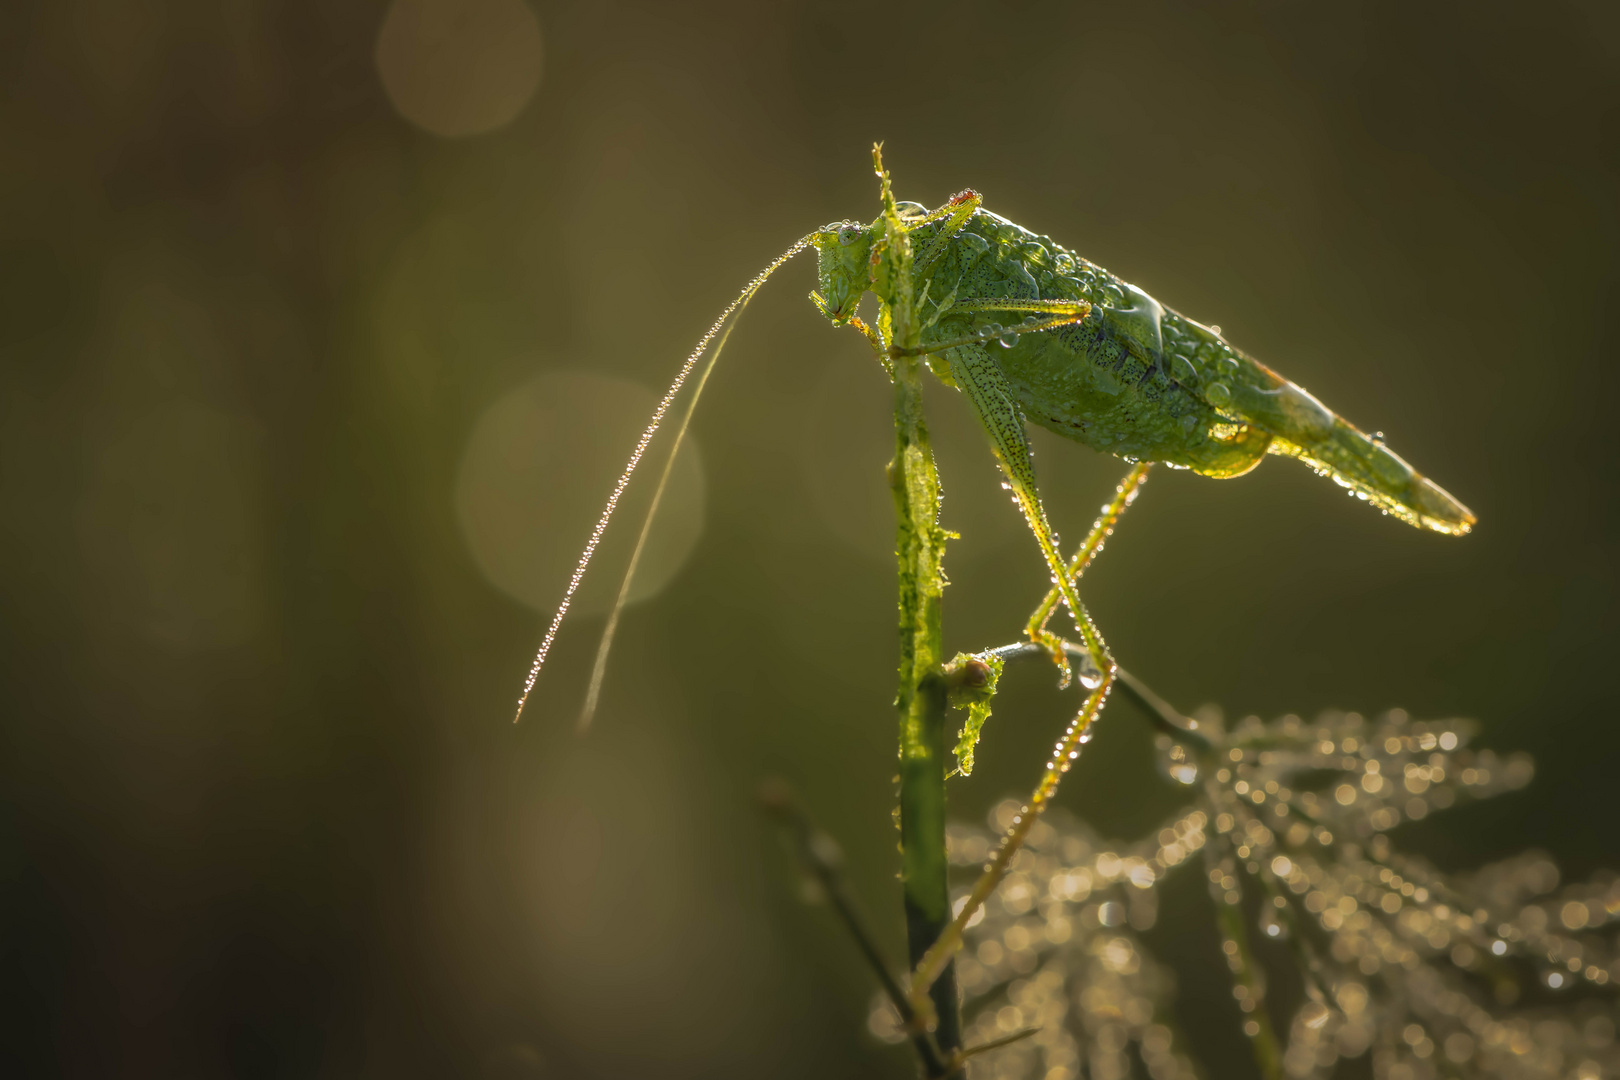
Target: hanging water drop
[1008,340]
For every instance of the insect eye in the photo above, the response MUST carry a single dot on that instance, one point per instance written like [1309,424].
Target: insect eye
[849,234]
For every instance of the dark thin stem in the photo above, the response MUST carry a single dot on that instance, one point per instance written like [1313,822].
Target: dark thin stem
[996,1044]
[1162,714]
[820,854]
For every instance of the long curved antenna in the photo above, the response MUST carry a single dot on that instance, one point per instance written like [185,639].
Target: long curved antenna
[720,324]
[605,646]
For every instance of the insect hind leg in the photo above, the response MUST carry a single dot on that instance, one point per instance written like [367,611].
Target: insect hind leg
[987,388]
[1101,530]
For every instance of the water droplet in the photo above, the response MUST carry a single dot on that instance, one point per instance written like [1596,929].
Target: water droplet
[994,329]
[1088,675]
[1030,320]
[1218,395]
[1008,340]
[1064,263]
[1112,296]
[1271,926]
[1228,367]
[1214,329]
[1182,368]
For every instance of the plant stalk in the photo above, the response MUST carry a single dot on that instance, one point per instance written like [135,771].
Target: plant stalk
[921,700]
[922,697]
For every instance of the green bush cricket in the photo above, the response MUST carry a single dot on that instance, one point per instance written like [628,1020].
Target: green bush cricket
[1029,330]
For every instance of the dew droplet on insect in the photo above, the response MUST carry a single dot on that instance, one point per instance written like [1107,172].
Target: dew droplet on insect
[1218,394]
[1030,320]
[1008,340]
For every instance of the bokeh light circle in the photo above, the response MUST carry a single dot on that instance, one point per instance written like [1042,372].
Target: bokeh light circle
[459,67]
[537,470]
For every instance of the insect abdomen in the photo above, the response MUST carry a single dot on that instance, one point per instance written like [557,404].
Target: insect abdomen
[1306,429]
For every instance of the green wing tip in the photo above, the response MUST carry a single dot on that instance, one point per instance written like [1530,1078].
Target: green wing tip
[1439,511]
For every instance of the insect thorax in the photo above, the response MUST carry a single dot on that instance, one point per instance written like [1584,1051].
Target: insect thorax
[1122,381]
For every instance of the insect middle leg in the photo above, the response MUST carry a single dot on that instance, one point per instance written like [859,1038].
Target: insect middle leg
[1058,312]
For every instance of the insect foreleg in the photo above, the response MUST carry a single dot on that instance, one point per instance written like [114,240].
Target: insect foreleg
[875,339]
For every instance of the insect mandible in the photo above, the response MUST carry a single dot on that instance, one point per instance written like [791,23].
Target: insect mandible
[1031,331]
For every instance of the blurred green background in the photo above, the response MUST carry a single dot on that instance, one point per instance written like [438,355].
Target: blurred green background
[324,329]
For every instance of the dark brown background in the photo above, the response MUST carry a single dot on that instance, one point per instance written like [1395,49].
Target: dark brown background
[263,812]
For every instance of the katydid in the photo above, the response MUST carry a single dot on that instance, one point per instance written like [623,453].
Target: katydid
[1028,330]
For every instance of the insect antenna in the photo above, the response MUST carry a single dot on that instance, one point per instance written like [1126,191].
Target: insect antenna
[718,333]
